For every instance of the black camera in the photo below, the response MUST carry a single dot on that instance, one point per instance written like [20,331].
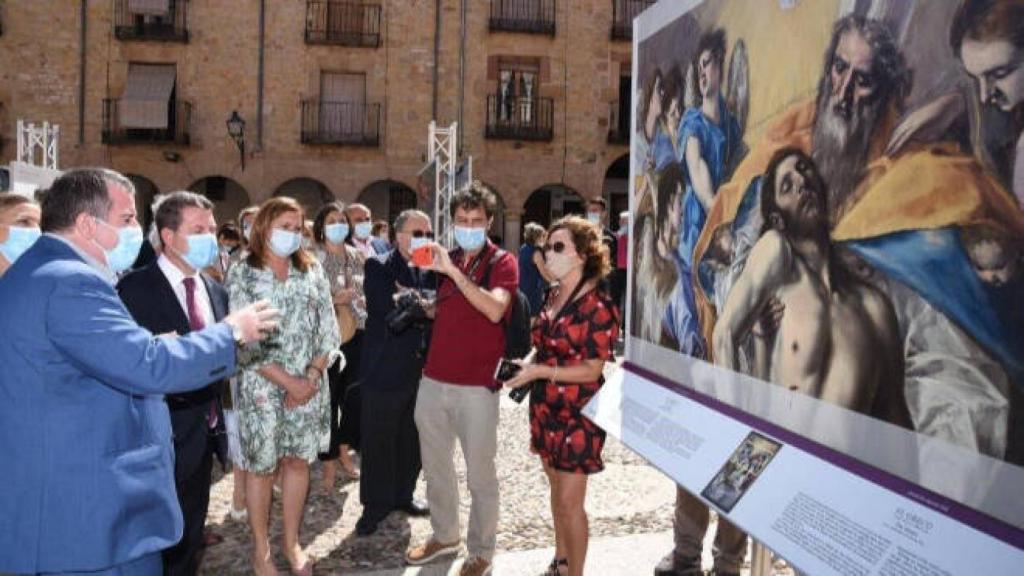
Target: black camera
[408,311]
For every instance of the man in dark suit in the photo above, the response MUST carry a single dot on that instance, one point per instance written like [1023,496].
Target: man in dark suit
[171,295]
[392,364]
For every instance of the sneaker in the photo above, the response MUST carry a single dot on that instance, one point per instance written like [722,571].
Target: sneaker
[429,551]
[475,566]
[672,565]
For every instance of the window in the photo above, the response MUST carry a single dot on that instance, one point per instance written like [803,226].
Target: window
[517,91]
[342,104]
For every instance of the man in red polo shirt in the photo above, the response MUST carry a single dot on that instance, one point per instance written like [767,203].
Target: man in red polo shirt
[458,396]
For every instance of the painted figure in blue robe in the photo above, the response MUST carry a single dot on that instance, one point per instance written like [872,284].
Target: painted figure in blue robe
[708,140]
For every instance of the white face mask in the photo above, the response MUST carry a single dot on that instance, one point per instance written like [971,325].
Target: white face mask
[561,264]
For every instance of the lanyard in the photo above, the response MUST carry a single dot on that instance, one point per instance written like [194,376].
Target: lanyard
[470,273]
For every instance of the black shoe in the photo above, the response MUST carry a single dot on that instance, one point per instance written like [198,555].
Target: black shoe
[415,508]
[672,565]
[369,523]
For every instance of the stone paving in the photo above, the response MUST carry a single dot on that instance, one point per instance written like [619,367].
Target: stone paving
[629,499]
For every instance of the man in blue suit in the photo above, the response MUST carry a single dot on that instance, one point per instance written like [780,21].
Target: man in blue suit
[172,294]
[85,437]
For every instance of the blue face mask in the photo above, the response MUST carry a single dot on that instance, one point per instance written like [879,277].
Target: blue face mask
[470,239]
[416,243]
[285,243]
[129,242]
[594,217]
[336,233]
[202,251]
[363,230]
[18,241]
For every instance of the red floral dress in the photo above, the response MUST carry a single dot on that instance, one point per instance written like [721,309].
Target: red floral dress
[586,330]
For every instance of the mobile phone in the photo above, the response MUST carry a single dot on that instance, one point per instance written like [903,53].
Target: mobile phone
[507,370]
[423,257]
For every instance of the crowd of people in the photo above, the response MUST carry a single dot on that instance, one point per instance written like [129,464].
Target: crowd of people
[132,361]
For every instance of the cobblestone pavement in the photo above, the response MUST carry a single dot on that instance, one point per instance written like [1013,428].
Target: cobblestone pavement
[629,497]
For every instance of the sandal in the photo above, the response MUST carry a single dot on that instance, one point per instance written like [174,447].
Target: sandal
[556,563]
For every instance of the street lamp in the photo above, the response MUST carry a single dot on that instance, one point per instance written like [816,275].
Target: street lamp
[236,129]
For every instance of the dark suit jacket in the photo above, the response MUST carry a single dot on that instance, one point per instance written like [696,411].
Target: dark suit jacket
[390,360]
[150,299]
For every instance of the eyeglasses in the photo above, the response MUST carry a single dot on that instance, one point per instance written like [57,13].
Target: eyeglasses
[557,247]
[422,234]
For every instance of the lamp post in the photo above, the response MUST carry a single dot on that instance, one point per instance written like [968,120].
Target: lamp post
[236,129]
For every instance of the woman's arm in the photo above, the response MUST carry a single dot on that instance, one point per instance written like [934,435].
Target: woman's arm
[587,371]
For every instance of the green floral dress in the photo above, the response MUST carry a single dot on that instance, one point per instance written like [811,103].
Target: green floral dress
[306,329]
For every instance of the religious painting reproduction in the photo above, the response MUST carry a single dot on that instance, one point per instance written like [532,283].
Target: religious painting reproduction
[827,198]
[740,471]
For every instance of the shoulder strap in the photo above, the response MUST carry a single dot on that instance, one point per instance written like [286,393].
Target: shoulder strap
[486,281]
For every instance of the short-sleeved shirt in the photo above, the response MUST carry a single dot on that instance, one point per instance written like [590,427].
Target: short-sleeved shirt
[465,347]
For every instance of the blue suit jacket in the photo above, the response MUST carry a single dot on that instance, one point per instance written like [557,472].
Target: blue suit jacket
[85,438]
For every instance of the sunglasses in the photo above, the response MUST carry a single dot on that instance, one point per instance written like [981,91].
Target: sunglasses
[557,247]
[421,234]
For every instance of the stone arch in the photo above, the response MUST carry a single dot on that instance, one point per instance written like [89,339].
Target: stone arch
[309,192]
[550,202]
[145,191]
[615,189]
[387,198]
[227,195]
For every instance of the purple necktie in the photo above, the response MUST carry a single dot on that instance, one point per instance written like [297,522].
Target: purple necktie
[195,322]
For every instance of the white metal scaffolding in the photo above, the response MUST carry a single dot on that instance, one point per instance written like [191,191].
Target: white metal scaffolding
[442,152]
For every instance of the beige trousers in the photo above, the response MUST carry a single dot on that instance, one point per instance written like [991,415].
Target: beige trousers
[444,413]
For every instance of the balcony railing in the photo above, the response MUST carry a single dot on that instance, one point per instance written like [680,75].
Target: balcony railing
[342,23]
[623,13]
[340,123]
[520,118]
[141,21]
[531,16]
[179,116]
[618,124]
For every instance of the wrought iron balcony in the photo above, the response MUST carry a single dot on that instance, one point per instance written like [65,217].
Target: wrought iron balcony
[147,20]
[520,118]
[342,23]
[340,123]
[530,16]
[623,13]
[179,117]
[618,124]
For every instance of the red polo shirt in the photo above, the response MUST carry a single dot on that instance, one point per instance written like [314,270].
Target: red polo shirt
[466,346]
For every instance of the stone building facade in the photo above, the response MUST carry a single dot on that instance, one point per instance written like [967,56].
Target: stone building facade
[336,96]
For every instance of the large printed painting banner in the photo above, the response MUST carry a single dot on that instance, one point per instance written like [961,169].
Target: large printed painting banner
[827,200]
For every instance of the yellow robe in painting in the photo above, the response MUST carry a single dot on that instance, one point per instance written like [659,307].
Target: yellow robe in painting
[927,187]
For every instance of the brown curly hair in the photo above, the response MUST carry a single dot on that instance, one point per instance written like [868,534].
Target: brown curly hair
[587,238]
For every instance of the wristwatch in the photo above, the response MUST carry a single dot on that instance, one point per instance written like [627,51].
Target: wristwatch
[236,333]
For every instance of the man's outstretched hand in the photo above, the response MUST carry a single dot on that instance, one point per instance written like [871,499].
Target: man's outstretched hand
[254,322]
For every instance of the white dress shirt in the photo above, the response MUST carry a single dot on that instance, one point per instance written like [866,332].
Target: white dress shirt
[177,279]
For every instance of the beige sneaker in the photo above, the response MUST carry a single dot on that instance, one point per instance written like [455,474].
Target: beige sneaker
[429,551]
[475,566]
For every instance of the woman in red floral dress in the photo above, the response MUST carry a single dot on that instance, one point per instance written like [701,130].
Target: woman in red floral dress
[574,336]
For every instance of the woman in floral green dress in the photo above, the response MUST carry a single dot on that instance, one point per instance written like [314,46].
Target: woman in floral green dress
[283,399]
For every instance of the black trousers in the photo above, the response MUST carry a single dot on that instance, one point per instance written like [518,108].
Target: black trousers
[391,449]
[193,464]
[345,402]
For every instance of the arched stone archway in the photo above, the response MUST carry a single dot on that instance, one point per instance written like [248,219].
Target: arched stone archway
[311,193]
[386,199]
[145,192]
[615,190]
[550,202]
[227,195]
